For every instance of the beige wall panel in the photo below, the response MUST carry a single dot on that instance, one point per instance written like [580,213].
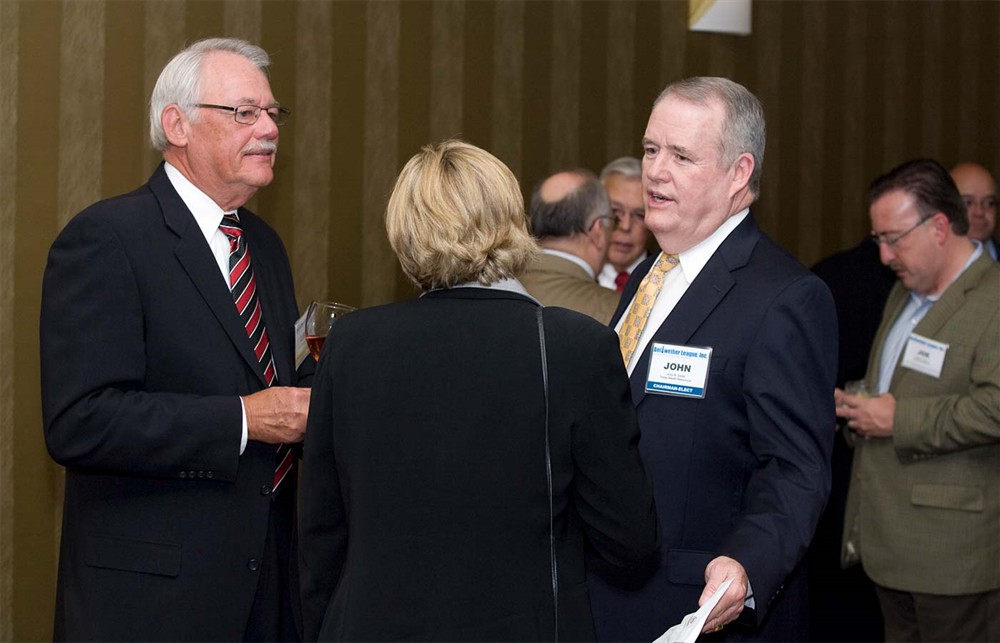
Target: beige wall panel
[767,87]
[242,19]
[312,153]
[508,84]
[81,104]
[164,38]
[564,128]
[620,101]
[381,145]
[854,115]
[807,216]
[447,51]
[935,75]
[8,179]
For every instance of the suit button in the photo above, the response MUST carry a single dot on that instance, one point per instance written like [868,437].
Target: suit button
[209,474]
[183,474]
[192,474]
[265,490]
[201,474]
[253,564]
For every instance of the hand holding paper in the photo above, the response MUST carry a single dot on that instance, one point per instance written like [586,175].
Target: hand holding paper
[690,627]
[717,573]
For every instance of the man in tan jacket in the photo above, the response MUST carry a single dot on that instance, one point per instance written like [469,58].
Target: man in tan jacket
[923,510]
[571,218]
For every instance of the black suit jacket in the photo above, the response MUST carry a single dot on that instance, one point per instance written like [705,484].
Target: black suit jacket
[425,512]
[143,358]
[745,471]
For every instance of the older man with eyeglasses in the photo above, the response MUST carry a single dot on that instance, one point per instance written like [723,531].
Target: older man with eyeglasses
[169,384]
[923,509]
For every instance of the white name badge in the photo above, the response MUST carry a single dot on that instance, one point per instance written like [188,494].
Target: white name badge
[924,355]
[678,370]
[301,348]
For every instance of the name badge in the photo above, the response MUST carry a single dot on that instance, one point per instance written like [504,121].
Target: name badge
[924,355]
[301,348]
[678,370]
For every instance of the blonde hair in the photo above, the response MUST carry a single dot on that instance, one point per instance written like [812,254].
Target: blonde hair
[456,215]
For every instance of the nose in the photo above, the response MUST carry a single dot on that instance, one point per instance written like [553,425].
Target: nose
[625,222]
[656,169]
[265,126]
[885,253]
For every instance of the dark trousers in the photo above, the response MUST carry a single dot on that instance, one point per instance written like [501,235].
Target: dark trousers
[911,616]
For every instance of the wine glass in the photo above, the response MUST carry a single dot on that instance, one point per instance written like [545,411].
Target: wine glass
[319,318]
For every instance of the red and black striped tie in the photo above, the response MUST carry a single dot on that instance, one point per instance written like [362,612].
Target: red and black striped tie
[244,288]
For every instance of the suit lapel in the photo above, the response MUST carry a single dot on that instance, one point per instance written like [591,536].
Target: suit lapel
[197,261]
[945,308]
[703,296]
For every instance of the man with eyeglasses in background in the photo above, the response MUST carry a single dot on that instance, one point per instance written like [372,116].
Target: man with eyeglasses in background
[622,180]
[979,191]
[923,507]
[571,219]
[169,385]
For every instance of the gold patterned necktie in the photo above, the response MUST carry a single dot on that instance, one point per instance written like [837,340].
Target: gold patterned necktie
[643,303]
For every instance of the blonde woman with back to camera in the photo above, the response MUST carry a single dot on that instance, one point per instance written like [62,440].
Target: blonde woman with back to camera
[464,447]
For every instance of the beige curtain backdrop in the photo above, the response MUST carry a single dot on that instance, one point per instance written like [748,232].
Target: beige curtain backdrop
[850,89]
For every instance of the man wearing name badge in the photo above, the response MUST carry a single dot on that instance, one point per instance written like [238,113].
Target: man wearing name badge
[731,350]
[923,509]
[169,380]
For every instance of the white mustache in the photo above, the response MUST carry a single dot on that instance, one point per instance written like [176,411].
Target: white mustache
[261,146]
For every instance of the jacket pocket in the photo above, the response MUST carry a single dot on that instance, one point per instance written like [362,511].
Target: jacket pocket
[109,552]
[687,567]
[947,496]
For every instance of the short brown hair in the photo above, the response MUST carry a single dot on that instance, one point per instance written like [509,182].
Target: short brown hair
[456,215]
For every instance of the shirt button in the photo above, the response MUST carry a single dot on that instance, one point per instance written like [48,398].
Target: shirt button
[253,564]
[265,490]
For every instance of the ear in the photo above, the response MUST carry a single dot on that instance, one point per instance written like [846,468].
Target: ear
[175,125]
[742,170]
[942,227]
[596,234]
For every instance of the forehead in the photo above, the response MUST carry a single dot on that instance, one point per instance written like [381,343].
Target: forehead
[894,208]
[622,188]
[974,180]
[678,121]
[227,75]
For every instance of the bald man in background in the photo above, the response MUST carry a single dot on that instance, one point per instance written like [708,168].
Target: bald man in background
[571,218]
[979,192]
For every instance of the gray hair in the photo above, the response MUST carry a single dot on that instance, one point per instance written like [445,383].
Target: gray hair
[743,128]
[572,214]
[627,166]
[180,81]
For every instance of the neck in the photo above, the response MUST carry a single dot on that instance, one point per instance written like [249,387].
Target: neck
[578,245]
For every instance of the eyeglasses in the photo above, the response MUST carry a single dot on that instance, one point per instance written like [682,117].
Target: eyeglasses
[879,239]
[987,203]
[248,114]
[606,220]
[620,213]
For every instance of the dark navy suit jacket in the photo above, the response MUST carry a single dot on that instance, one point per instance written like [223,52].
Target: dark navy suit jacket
[143,361]
[745,471]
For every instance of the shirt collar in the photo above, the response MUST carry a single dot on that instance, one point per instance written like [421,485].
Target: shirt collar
[207,213]
[570,257]
[694,259]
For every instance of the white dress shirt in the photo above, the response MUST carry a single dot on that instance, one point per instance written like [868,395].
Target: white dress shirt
[678,280]
[208,215]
